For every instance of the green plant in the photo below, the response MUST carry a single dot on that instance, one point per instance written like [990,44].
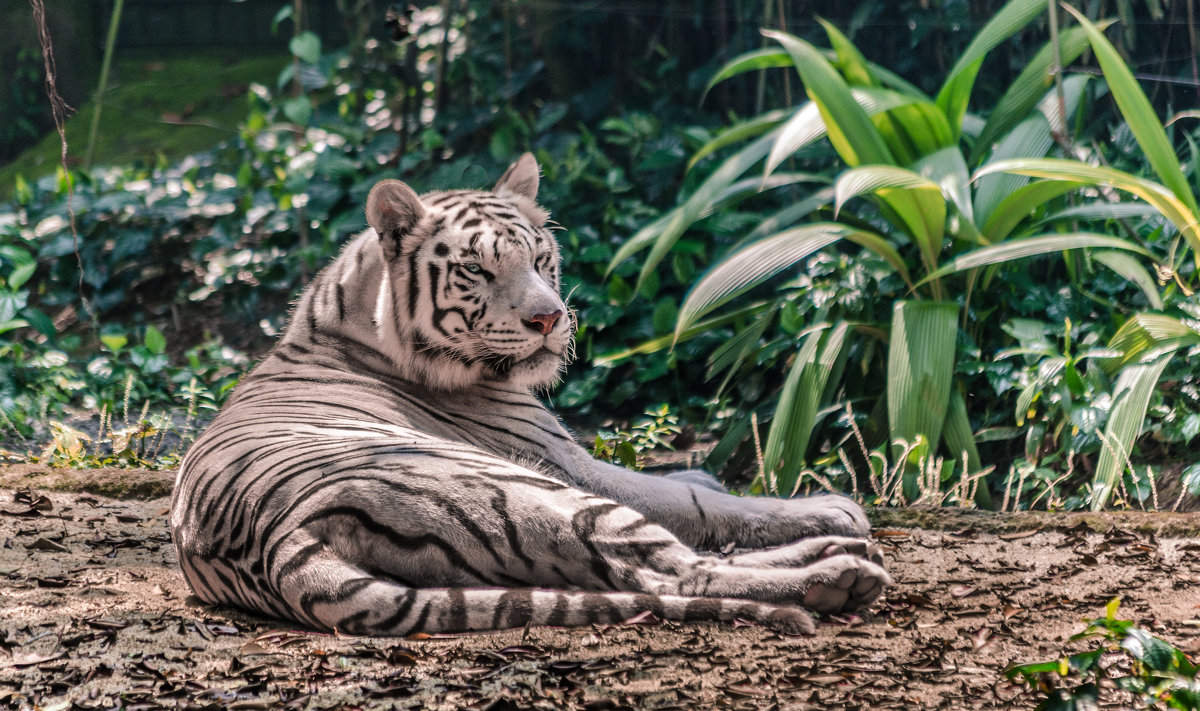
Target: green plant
[626,446]
[945,202]
[1150,669]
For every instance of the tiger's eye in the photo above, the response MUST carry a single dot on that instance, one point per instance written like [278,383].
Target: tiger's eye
[472,267]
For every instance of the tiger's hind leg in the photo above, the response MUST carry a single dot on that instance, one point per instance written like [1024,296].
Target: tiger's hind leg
[469,522]
[326,592]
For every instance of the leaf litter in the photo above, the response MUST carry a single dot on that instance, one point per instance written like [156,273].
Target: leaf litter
[95,615]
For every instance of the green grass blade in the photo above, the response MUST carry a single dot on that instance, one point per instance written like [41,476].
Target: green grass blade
[751,266]
[1132,269]
[1015,249]
[1135,108]
[919,372]
[849,128]
[953,96]
[796,414]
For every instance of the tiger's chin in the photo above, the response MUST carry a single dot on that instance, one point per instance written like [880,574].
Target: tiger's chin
[542,369]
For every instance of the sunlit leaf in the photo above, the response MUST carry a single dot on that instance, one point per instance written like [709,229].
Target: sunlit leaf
[1013,250]
[754,264]
[1139,115]
[920,367]
[1027,89]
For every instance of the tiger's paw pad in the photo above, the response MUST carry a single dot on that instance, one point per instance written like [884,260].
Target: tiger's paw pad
[844,583]
[859,547]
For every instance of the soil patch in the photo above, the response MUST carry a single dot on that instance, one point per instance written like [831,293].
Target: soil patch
[95,614]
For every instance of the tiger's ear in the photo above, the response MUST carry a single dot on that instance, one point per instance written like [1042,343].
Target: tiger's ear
[520,180]
[393,209]
[520,184]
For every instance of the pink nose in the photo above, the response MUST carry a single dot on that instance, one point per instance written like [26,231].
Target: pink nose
[542,323]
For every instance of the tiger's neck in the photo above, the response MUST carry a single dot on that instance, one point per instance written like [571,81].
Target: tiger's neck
[356,308]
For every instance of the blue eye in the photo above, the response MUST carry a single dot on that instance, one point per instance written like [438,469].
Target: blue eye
[472,267]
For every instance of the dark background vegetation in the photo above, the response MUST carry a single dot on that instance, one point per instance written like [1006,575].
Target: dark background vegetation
[238,140]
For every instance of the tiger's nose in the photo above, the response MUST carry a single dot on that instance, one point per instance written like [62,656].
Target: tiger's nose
[542,323]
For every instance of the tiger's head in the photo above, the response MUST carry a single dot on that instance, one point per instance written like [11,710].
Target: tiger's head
[473,281]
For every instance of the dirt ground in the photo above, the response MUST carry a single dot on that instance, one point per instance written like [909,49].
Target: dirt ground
[94,614]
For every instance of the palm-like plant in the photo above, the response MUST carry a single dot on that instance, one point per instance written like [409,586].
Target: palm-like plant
[945,200]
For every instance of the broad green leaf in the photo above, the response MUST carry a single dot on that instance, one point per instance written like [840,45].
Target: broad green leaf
[114,341]
[807,124]
[696,205]
[787,216]
[917,200]
[1029,139]
[1027,89]
[1073,88]
[920,367]
[799,403]
[1171,207]
[958,438]
[754,264]
[849,128]
[731,353]
[1131,397]
[1019,205]
[923,126]
[1143,331]
[1132,269]
[306,46]
[953,96]
[1102,210]
[20,274]
[1013,250]
[1139,115]
[948,170]
[155,342]
[850,62]
[739,132]
[755,60]
[664,342]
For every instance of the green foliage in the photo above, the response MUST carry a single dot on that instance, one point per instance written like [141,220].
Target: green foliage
[1126,657]
[624,447]
[950,220]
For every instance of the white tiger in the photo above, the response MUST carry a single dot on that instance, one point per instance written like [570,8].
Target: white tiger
[386,468]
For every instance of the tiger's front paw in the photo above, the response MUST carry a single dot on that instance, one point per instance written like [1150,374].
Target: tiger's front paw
[844,583]
[830,515]
[806,551]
